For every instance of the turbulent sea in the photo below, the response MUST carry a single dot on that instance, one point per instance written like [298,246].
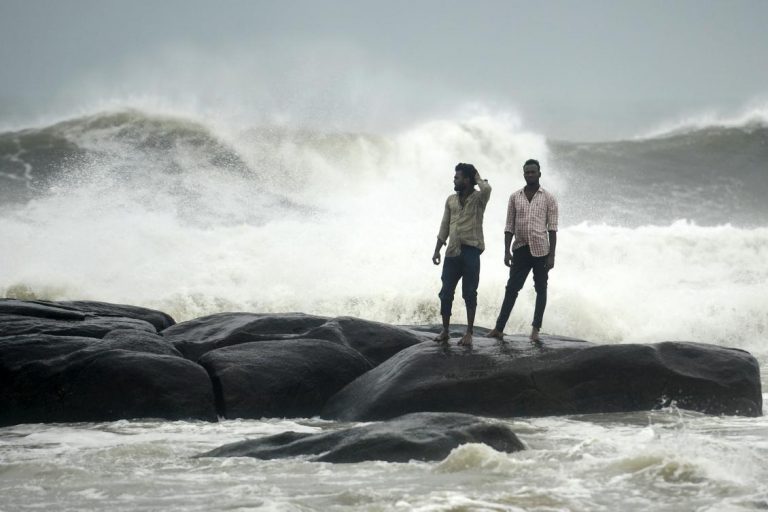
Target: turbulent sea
[663,237]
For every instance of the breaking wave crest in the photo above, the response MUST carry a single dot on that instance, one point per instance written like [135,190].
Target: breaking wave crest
[189,217]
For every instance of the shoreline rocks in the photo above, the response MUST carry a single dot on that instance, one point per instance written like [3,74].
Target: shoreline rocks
[281,378]
[195,337]
[420,436]
[558,377]
[69,379]
[92,361]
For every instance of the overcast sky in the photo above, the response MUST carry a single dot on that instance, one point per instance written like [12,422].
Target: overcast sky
[575,69]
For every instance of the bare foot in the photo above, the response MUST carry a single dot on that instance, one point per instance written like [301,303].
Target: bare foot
[466,340]
[535,335]
[496,334]
[442,337]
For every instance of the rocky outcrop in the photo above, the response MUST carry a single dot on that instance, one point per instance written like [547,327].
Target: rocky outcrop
[376,341]
[88,326]
[138,341]
[83,361]
[39,309]
[46,378]
[558,376]
[81,310]
[419,436]
[194,338]
[158,319]
[280,378]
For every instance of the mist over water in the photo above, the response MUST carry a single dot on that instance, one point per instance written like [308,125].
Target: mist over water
[246,157]
[192,216]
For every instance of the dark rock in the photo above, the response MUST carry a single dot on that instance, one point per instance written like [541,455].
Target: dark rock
[89,327]
[419,436]
[16,351]
[158,319]
[696,376]
[39,309]
[376,341]
[456,330]
[559,376]
[285,378]
[80,309]
[194,338]
[138,341]
[47,378]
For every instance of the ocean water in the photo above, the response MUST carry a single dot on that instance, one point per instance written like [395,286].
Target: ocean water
[662,237]
[666,460]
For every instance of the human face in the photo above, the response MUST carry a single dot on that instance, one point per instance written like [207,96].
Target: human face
[531,173]
[459,181]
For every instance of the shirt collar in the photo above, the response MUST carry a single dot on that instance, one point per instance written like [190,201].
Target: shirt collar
[522,190]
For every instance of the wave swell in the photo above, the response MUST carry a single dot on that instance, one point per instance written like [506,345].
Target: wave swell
[191,218]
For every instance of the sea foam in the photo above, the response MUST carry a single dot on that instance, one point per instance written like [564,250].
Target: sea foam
[345,224]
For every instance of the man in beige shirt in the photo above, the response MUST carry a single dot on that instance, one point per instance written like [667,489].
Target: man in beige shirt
[462,228]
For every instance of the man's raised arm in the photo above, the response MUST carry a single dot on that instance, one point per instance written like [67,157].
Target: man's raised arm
[484,186]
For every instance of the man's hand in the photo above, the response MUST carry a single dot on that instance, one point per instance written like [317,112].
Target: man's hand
[439,245]
[508,259]
[550,262]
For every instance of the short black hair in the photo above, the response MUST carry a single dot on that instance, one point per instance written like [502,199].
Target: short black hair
[468,170]
[531,161]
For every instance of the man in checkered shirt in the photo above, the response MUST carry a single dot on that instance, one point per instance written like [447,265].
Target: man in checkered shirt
[532,222]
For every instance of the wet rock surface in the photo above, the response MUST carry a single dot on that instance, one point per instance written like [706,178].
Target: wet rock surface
[555,377]
[88,326]
[66,379]
[194,338]
[83,361]
[158,319]
[376,341]
[280,378]
[418,436]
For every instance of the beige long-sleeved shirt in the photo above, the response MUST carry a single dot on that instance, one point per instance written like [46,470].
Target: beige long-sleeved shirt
[463,224]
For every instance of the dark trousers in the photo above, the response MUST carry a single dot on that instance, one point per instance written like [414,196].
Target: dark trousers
[465,266]
[522,263]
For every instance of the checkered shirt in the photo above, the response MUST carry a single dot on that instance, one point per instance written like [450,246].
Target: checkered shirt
[531,221]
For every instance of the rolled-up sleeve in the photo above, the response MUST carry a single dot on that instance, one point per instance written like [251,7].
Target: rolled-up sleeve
[511,213]
[445,224]
[552,214]
[485,191]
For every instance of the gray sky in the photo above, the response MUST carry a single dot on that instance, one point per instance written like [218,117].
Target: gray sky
[584,70]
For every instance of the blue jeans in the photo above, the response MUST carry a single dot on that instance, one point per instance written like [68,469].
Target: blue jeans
[465,266]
